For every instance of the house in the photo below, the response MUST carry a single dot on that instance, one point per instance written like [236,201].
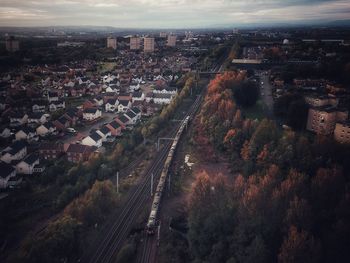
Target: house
[7,172]
[18,119]
[122,120]
[104,132]
[111,105]
[162,98]
[138,96]
[17,151]
[78,152]
[98,101]
[124,105]
[25,133]
[57,105]
[6,132]
[46,129]
[137,112]
[27,165]
[61,123]
[39,106]
[115,128]
[131,116]
[125,96]
[91,114]
[94,139]
[72,115]
[52,96]
[14,181]
[165,90]
[37,118]
[50,150]
[89,104]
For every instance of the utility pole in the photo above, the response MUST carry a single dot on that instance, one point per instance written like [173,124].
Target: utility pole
[151,184]
[118,182]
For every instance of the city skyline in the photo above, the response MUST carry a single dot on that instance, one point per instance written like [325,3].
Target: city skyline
[170,13]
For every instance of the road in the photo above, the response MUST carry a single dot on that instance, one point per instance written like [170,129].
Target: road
[266,93]
[85,131]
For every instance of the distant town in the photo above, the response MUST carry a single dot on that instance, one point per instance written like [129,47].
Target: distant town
[79,107]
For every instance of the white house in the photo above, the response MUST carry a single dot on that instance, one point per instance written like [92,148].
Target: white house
[38,118]
[18,119]
[5,133]
[57,105]
[7,172]
[94,139]
[165,90]
[138,96]
[46,129]
[124,105]
[39,107]
[27,165]
[111,105]
[162,98]
[99,101]
[131,116]
[104,132]
[91,114]
[17,151]
[52,96]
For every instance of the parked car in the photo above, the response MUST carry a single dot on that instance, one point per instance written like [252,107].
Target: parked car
[71,130]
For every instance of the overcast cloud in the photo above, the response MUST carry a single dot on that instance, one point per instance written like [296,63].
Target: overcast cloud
[168,13]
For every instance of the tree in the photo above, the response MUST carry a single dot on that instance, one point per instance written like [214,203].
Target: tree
[299,214]
[298,247]
[246,93]
[59,241]
[297,114]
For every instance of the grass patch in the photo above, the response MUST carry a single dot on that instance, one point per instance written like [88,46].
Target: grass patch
[258,111]
[106,66]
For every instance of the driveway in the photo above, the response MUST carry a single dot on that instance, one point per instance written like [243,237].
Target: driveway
[84,131]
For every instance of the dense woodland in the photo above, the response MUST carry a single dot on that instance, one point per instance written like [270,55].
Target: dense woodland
[288,199]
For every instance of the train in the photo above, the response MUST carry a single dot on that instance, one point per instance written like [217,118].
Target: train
[153,216]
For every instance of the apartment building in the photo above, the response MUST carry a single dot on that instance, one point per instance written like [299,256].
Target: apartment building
[148,44]
[323,119]
[342,132]
[112,43]
[135,43]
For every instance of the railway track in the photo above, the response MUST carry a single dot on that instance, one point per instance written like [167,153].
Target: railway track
[149,245]
[111,243]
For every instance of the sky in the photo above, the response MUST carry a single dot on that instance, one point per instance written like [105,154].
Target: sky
[169,13]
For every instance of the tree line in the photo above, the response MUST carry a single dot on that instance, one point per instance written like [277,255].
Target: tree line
[288,200]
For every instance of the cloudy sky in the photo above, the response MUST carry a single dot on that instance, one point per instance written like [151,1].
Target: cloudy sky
[168,13]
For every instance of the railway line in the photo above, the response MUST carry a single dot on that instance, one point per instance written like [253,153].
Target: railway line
[150,242]
[111,243]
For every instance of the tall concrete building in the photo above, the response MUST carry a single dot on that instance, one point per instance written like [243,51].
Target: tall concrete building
[148,44]
[135,43]
[171,41]
[12,45]
[112,43]
[322,119]
[342,132]
[163,34]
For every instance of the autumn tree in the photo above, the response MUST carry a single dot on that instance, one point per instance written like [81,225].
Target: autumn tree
[299,246]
